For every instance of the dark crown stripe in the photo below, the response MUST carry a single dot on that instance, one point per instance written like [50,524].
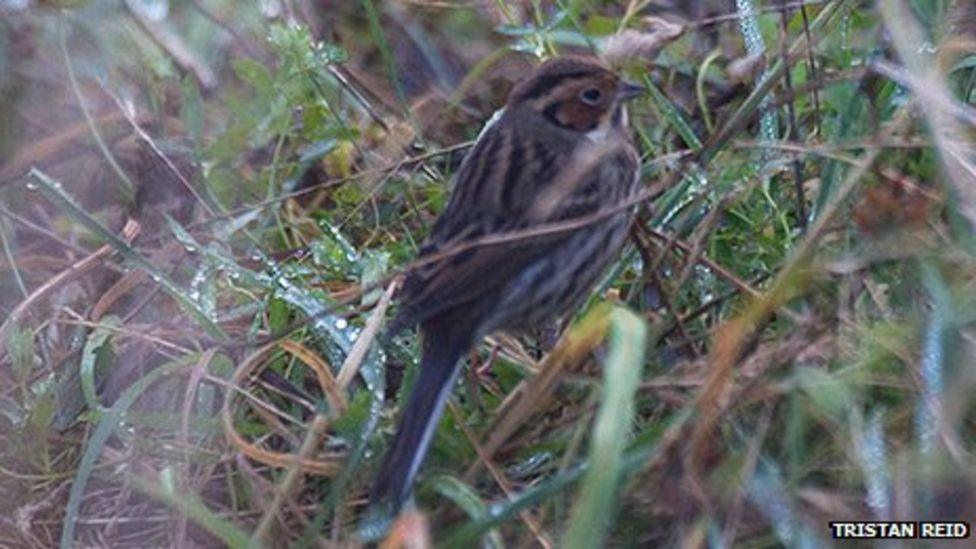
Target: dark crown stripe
[544,84]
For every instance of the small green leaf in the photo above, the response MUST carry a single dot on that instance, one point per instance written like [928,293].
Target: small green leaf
[599,25]
[828,393]
[374,266]
[278,315]
[255,74]
[93,358]
[20,347]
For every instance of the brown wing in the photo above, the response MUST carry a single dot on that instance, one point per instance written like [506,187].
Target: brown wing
[492,190]
[496,186]
[473,277]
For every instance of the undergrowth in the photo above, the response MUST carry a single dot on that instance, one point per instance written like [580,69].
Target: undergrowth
[205,209]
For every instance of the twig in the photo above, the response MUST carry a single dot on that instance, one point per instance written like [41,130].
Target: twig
[312,440]
[359,349]
[503,483]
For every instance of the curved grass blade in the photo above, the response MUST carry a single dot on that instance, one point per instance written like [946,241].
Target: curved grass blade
[191,506]
[89,360]
[593,511]
[109,422]
[467,499]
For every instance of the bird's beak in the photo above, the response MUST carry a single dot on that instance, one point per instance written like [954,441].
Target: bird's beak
[629,90]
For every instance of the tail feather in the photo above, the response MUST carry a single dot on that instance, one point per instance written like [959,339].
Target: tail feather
[438,370]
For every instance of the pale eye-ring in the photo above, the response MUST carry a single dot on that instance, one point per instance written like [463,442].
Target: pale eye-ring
[591,96]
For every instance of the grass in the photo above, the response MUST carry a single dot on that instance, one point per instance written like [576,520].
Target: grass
[787,339]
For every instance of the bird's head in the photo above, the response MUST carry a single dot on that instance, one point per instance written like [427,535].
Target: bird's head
[574,93]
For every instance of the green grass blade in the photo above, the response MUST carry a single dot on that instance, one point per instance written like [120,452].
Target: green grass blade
[194,509]
[109,422]
[648,447]
[592,513]
[672,114]
[56,193]
[376,29]
[465,497]
[717,141]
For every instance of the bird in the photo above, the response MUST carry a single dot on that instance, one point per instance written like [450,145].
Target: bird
[559,150]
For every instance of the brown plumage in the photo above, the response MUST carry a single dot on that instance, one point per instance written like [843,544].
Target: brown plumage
[559,150]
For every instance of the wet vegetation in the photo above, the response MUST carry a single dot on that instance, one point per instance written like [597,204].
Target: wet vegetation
[206,207]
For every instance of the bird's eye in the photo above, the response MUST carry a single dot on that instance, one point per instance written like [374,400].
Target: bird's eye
[591,96]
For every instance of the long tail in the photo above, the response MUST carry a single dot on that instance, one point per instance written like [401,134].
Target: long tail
[439,368]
